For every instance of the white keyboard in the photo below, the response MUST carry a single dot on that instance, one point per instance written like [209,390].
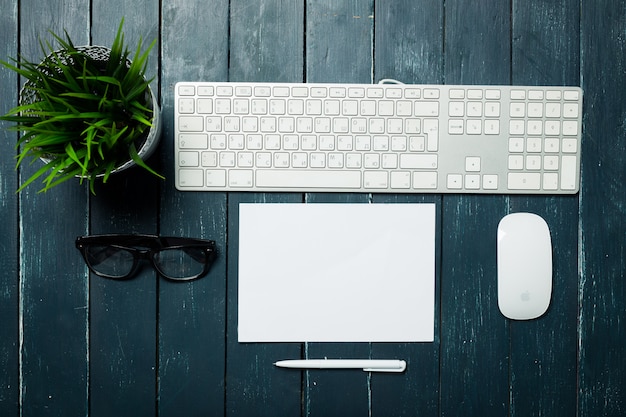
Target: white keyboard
[377,138]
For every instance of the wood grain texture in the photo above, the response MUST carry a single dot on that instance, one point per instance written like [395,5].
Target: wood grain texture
[123,357]
[123,313]
[53,286]
[474,335]
[543,352]
[349,60]
[266,41]
[408,45]
[338,392]
[254,385]
[266,44]
[71,344]
[9,248]
[602,255]
[192,316]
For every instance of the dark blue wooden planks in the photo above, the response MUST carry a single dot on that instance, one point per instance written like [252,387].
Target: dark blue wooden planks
[9,246]
[192,315]
[339,40]
[545,51]
[123,358]
[266,41]
[148,346]
[602,290]
[408,45]
[266,44]
[123,312]
[54,286]
[474,335]
[254,385]
[338,392]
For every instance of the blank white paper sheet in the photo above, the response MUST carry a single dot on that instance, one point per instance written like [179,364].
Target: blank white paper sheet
[336,273]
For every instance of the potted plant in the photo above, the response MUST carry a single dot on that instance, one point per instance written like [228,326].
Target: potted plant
[85,111]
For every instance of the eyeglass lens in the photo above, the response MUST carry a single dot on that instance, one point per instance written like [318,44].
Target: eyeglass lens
[180,263]
[111,261]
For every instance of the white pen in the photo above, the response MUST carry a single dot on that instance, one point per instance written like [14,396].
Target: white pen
[368,365]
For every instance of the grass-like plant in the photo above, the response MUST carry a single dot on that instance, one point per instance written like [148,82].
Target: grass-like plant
[82,115]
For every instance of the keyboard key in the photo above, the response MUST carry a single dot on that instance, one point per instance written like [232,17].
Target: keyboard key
[490,182]
[297,178]
[517,109]
[193,141]
[455,181]
[205,105]
[240,178]
[492,127]
[375,179]
[300,91]
[570,145]
[474,109]
[431,93]
[518,95]
[418,161]
[319,92]
[190,124]
[188,159]
[472,181]
[431,129]
[492,109]
[492,94]
[215,178]
[190,177]
[568,172]
[425,180]
[186,90]
[550,181]
[206,90]
[213,124]
[243,91]
[472,163]
[456,126]
[426,109]
[337,92]
[356,92]
[553,95]
[456,93]
[209,159]
[570,110]
[570,128]
[245,160]
[524,180]
[474,94]
[400,180]
[224,90]
[186,105]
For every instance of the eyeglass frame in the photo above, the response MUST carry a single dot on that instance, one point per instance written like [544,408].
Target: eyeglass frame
[151,245]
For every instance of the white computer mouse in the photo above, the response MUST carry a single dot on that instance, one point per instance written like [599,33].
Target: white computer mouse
[524,266]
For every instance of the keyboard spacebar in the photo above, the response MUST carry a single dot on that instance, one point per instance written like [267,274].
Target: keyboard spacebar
[301,178]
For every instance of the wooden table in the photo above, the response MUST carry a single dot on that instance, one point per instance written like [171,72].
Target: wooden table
[75,345]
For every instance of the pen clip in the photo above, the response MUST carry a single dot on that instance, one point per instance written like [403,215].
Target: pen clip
[399,369]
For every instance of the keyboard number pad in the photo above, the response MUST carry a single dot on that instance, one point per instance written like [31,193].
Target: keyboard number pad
[543,144]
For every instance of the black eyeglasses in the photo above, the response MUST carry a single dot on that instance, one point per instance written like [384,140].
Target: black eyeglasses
[175,258]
